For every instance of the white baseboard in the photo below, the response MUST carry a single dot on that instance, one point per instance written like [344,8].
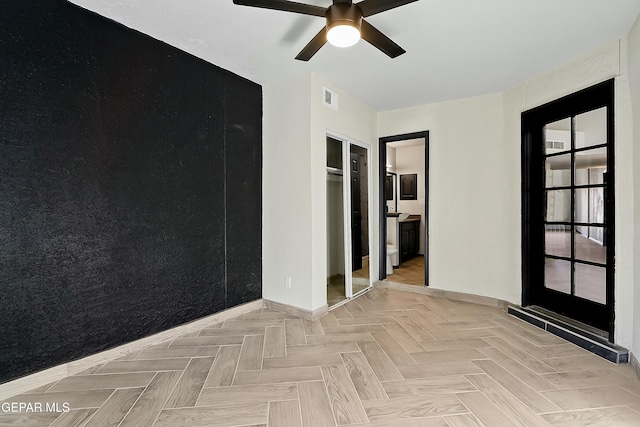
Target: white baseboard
[39,379]
[295,311]
[439,293]
[635,364]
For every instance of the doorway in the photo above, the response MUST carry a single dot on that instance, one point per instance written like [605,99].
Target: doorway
[348,218]
[567,207]
[404,209]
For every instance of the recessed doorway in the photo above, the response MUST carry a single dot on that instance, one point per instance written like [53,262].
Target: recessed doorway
[404,208]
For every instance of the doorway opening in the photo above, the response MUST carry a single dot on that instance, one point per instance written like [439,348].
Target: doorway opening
[568,208]
[404,208]
[349,189]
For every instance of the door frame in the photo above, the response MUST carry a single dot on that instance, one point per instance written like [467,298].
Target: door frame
[534,292]
[382,169]
[346,202]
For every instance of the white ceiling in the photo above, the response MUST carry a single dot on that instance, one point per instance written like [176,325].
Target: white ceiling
[455,48]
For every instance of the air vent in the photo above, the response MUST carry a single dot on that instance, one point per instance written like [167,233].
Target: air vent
[555,145]
[329,98]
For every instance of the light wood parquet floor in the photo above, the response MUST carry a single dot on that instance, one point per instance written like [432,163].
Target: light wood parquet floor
[410,272]
[387,358]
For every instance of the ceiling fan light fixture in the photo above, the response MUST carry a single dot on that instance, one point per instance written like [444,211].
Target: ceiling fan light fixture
[344,21]
[343,35]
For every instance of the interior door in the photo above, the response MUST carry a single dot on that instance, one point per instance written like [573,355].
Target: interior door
[568,257]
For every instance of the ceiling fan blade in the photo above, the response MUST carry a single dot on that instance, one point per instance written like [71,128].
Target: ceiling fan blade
[371,7]
[342,1]
[379,40]
[284,5]
[313,46]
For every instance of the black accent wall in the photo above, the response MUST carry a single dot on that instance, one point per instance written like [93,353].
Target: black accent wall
[130,186]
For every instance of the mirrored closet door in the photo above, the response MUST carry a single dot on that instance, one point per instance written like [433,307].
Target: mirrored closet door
[348,219]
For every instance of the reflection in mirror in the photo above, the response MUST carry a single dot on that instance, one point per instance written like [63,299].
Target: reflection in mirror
[390,192]
[335,224]
[359,179]
[557,136]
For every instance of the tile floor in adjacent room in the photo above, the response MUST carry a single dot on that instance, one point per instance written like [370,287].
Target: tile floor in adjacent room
[387,358]
[410,272]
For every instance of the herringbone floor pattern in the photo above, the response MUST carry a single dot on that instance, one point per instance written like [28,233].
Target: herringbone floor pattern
[388,358]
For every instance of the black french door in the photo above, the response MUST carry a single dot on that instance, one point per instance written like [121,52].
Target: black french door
[568,206]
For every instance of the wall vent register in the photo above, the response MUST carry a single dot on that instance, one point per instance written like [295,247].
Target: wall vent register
[330,99]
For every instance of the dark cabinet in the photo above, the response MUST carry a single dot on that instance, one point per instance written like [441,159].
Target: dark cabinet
[409,239]
[409,187]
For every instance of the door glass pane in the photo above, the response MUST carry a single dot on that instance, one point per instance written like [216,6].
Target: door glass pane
[596,205]
[589,206]
[558,171]
[557,240]
[591,159]
[582,176]
[597,234]
[591,128]
[589,245]
[557,136]
[591,282]
[581,213]
[557,274]
[558,205]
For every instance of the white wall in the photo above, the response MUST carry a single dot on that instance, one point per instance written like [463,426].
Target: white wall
[410,160]
[286,250]
[633,49]
[295,184]
[470,191]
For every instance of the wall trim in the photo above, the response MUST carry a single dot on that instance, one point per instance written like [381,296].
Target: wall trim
[439,293]
[41,378]
[635,365]
[295,311]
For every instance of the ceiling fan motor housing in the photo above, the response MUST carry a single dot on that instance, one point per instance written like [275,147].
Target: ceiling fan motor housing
[344,14]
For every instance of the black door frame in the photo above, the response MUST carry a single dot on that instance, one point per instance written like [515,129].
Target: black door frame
[382,148]
[533,291]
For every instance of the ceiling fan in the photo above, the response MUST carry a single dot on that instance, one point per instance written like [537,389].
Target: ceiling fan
[345,24]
